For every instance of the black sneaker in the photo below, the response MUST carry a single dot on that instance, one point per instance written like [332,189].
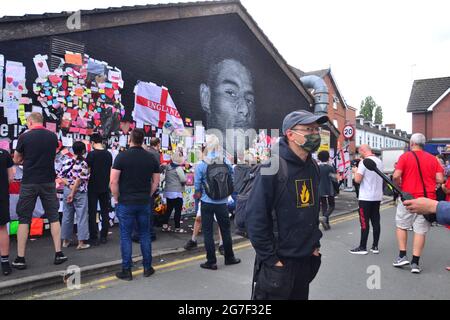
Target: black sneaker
[60,258]
[94,242]
[375,250]
[191,244]
[221,250]
[232,261]
[210,266]
[125,274]
[359,250]
[103,241]
[324,222]
[19,263]
[6,268]
[241,233]
[148,272]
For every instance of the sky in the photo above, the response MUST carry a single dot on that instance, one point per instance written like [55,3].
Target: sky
[374,48]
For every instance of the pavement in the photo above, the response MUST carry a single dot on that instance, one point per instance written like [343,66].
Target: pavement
[106,258]
[342,276]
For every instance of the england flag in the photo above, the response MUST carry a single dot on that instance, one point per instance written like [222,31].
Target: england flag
[153,105]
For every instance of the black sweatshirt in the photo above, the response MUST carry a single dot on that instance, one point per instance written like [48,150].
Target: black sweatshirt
[297,211]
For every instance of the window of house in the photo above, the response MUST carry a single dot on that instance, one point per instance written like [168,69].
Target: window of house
[335,102]
[336,124]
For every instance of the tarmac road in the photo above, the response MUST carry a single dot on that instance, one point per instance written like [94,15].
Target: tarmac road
[342,275]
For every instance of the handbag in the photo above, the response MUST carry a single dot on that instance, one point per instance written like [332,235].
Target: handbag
[429,217]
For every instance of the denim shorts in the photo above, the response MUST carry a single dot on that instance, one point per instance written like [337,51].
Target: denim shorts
[27,202]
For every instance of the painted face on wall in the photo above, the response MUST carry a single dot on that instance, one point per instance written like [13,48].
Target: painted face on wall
[230,100]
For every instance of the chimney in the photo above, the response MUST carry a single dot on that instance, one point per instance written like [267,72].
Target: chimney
[390,126]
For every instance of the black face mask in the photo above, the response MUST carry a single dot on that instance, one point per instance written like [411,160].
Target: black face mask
[312,143]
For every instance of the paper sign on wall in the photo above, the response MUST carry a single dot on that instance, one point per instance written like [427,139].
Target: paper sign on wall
[165,141]
[188,142]
[199,135]
[40,62]
[123,141]
[67,141]
[4,144]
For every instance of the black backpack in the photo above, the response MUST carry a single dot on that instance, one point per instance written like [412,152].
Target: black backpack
[219,182]
[241,173]
[245,192]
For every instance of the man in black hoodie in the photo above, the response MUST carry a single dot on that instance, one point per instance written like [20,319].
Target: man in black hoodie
[288,260]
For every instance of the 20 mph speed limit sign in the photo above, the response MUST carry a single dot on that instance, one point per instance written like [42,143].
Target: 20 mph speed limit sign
[349,132]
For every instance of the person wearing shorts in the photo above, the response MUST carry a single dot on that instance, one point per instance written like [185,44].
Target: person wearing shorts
[192,243]
[36,151]
[6,176]
[413,181]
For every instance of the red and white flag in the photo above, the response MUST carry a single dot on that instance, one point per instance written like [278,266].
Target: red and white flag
[14,191]
[153,105]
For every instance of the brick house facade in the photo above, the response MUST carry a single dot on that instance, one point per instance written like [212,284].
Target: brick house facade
[429,104]
[339,112]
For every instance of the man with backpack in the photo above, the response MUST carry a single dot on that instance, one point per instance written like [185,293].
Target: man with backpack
[287,256]
[213,185]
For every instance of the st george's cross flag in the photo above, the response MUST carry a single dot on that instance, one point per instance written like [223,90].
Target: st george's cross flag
[153,105]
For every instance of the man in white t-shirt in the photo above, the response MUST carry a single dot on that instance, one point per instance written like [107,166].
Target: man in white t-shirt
[370,196]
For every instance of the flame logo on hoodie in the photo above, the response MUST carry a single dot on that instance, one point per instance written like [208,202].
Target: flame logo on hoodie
[304,195]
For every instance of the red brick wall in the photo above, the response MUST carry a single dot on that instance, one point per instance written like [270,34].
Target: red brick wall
[441,120]
[334,114]
[418,123]
[434,124]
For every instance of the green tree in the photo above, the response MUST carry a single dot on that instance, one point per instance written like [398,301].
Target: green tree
[378,115]
[368,106]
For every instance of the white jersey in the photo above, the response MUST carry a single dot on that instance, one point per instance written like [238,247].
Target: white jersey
[371,188]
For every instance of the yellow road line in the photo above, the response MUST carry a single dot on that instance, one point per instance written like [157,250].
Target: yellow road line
[101,282]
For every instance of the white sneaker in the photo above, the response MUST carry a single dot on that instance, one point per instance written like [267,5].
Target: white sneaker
[83,246]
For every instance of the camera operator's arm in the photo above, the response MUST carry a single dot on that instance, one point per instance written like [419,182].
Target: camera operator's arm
[429,206]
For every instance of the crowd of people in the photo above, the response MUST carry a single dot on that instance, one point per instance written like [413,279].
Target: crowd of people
[281,211]
[94,180]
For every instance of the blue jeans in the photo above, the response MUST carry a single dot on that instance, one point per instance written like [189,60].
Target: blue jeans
[220,210]
[135,233]
[127,215]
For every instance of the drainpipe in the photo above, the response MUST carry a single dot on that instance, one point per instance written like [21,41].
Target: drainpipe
[320,92]
[320,97]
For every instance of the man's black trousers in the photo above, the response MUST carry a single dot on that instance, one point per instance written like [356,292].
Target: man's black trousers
[290,282]
[369,211]
[93,198]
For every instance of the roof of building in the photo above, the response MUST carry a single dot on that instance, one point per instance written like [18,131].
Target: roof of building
[381,132]
[50,15]
[425,92]
[322,74]
[48,24]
